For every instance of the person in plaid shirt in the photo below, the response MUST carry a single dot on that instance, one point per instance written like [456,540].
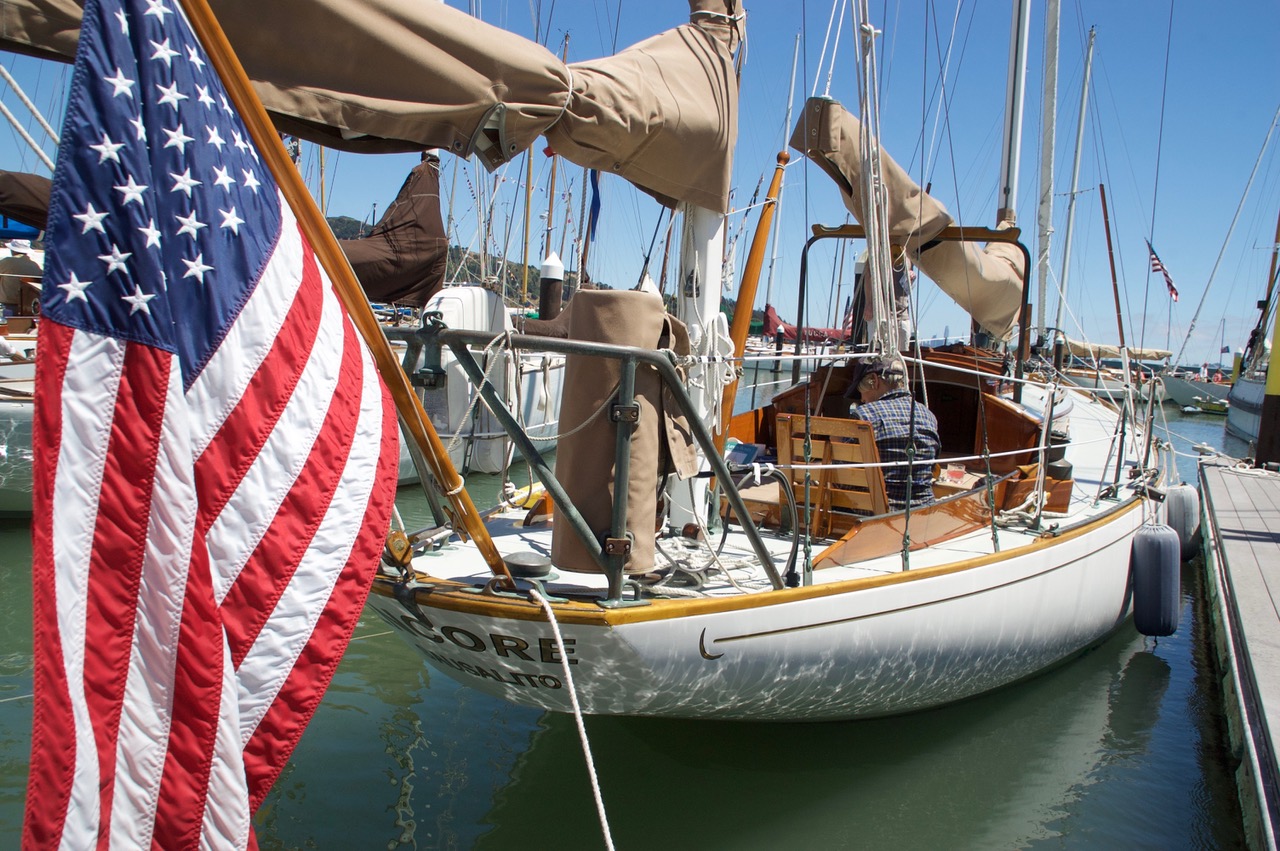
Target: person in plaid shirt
[899,423]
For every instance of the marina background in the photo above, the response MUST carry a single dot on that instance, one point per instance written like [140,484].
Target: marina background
[1182,98]
[1122,747]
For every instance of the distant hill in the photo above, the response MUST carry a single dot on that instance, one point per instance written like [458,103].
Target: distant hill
[464,266]
[345,227]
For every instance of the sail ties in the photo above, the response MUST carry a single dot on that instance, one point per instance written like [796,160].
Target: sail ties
[568,99]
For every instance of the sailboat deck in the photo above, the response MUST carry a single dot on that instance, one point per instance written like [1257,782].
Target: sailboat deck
[735,570]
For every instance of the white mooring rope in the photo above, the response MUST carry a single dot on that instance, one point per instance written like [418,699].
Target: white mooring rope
[577,716]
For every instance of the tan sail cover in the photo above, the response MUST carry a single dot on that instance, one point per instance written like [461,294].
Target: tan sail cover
[401,75]
[585,454]
[1102,350]
[986,282]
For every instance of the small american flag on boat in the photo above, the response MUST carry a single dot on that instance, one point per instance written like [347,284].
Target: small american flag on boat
[1157,266]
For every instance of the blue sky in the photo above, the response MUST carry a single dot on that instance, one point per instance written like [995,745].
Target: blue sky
[1175,176]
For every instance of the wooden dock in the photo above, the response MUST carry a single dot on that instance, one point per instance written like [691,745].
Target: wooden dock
[1241,528]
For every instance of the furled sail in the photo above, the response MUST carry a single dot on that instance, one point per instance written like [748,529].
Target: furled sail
[1103,350]
[403,258]
[403,75]
[986,282]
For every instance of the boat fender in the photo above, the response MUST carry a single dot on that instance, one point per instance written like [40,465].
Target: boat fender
[1154,567]
[1182,513]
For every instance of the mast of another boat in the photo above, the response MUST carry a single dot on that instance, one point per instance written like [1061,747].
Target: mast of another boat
[1268,447]
[1075,181]
[1011,147]
[324,203]
[1124,349]
[1256,354]
[742,311]
[579,247]
[528,203]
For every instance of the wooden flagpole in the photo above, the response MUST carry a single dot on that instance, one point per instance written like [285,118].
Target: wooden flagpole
[466,518]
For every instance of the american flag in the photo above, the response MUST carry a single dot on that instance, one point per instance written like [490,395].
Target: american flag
[215,459]
[1157,266]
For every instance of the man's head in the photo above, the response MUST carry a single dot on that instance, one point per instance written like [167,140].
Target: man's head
[874,378]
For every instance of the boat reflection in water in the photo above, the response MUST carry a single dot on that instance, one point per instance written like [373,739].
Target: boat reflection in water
[1121,745]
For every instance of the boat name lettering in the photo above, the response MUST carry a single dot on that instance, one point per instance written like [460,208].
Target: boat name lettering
[506,646]
[505,677]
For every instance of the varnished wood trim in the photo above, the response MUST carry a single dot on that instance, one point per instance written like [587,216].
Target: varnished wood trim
[577,612]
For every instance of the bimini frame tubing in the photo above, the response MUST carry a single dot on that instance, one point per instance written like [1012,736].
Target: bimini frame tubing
[609,556]
[950,234]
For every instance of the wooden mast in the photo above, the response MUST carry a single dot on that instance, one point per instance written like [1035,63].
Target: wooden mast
[741,324]
[1111,258]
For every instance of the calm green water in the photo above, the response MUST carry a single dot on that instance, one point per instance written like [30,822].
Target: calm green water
[1121,748]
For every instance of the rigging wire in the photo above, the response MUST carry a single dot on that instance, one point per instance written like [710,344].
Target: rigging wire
[1155,188]
[822,57]
[835,47]
[1236,217]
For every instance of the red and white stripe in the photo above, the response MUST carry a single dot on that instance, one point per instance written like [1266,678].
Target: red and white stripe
[201,558]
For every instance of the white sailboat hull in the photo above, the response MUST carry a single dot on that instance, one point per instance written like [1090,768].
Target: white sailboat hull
[1111,389]
[1185,393]
[894,644]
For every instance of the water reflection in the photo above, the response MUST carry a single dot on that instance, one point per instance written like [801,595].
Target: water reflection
[1120,748]
[1000,771]
[395,757]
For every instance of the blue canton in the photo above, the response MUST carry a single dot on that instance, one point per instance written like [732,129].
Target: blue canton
[163,216]
[890,418]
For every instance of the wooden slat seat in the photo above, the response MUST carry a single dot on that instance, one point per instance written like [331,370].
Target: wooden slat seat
[837,496]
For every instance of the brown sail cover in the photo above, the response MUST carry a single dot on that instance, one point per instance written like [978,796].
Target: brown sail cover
[986,282]
[403,259]
[25,197]
[402,75]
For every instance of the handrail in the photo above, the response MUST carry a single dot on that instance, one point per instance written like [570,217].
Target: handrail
[948,234]
[663,363]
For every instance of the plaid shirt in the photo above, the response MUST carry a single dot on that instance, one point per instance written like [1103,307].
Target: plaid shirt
[890,417]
